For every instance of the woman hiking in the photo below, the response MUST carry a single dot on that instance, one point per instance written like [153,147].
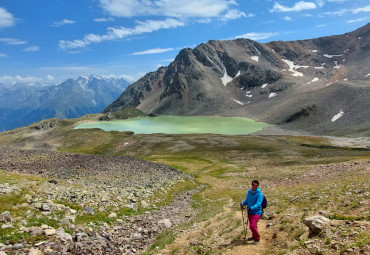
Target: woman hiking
[254,209]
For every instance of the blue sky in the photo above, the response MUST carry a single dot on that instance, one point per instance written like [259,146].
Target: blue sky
[51,40]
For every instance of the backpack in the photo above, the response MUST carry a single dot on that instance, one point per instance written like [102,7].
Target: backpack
[264,202]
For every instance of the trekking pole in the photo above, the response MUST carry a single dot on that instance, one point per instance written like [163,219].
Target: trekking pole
[244,229]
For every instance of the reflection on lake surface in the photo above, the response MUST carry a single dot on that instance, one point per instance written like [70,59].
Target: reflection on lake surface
[180,125]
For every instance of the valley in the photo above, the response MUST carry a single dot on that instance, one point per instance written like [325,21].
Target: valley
[196,211]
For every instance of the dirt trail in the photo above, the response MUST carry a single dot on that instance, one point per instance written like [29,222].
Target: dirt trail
[247,247]
[234,245]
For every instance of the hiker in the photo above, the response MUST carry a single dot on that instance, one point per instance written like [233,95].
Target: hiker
[254,209]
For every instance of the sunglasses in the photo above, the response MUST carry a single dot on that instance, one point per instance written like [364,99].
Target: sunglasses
[255,185]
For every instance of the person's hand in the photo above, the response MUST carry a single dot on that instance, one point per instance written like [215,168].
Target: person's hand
[241,205]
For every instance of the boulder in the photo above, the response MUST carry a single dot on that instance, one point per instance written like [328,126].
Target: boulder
[45,207]
[49,231]
[315,224]
[90,210]
[63,235]
[112,215]
[165,222]
[5,217]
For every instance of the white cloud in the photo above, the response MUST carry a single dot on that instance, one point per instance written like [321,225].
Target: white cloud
[3,55]
[299,6]
[18,78]
[320,3]
[63,22]
[6,18]
[356,20]
[256,36]
[167,60]
[179,8]
[50,77]
[234,14]
[152,51]
[12,41]
[363,9]
[287,18]
[337,13]
[32,48]
[115,33]
[128,78]
[337,1]
[103,19]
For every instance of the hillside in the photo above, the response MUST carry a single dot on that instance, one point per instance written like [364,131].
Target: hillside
[23,104]
[65,190]
[319,86]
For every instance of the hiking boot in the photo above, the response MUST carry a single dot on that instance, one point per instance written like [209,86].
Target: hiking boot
[256,242]
[250,239]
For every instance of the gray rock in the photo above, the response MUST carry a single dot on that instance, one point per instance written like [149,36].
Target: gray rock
[165,222]
[90,210]
[4,191]
[45,207]
[112,215]
[18,246]
[315,224]
[4,226]
[36,231]
[63,235]
[80,236]
[5,217]
[49,231]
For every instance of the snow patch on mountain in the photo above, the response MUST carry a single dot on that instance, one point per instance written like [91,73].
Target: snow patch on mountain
[272,95]
[367,75]
[226,78]
[255,58]
[314,79]
[293,67]
[237,101]
[337,116]
[256,50]
[331,56]
[336,65]
[264,85]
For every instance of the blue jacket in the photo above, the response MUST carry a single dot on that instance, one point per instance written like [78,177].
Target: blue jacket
[254,201]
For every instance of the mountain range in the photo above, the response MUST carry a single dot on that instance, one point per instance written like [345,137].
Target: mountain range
[319,86]
[22,104]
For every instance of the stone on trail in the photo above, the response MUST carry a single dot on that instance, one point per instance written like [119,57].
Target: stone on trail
[316,224]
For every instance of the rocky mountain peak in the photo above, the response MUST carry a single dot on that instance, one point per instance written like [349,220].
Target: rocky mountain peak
[270,82]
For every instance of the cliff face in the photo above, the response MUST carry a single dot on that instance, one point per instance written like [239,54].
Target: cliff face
[303,85]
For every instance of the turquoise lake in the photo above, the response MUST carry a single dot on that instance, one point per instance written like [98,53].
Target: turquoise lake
[180,125]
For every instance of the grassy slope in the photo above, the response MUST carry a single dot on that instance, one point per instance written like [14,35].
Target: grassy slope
[226,165]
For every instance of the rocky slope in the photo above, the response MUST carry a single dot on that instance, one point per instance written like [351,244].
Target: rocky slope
[23,104]
[80,204]
[320,85]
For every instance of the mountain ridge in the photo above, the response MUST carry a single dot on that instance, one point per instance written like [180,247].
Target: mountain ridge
[269,82]
[22,104]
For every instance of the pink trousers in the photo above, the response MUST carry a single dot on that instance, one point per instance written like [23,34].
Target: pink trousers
[253,219]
